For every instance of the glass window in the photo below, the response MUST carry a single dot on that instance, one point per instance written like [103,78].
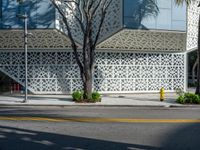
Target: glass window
[41,14]
[45,14]
[149,22]
[9,12]
[179,25]
[178,12]
[0,9]
[164,3]
[0,13]
[164,19]
[162,15]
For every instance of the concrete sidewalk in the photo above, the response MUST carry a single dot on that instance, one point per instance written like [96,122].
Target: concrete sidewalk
[107,100]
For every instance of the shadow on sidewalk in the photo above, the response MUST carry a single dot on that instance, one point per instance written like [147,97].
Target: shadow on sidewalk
[183,137]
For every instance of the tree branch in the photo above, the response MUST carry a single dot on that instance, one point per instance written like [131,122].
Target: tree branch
[74,46]
[103,13]
[104,8]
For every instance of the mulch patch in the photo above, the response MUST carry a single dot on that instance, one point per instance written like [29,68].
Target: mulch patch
[85,101]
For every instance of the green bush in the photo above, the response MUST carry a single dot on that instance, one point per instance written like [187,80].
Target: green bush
[181,100]
[188,98]
[77,96]
[196,100]
[96,97]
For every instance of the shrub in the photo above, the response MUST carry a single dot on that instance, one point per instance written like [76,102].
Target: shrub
[96,97]
[188,98]
[181,100]
[196,99]
[77,96]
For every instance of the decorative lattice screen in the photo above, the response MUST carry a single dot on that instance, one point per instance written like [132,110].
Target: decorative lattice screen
[56,71]
[192,29]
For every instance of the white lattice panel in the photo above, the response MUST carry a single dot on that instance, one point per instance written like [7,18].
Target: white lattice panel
[141,40]
[55,72]
[112,22]
[192,29]
[40,39]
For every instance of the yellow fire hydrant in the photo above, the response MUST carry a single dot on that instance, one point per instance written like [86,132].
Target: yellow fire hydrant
[162,94]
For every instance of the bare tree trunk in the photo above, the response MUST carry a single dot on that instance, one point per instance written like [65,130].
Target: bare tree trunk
[87,75]
[87,84]
[198,66]
[193,71]
[87,78]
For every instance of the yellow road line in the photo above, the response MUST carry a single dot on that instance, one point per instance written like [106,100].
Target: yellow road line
[101,120]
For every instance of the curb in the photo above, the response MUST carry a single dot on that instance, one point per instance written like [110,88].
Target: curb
[185,106]
[79,105]
[98,105]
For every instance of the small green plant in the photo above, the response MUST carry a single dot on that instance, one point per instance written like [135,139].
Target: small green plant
[77,96]
[96,97]
[180,100]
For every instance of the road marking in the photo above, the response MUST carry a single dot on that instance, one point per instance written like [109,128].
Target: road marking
[100,120]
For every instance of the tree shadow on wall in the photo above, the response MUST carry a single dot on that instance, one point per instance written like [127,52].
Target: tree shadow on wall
[137,10]
[36,11]
[98,84]
[22,139]
[71,81]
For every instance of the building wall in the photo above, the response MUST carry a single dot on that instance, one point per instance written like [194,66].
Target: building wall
[127,60]
[56,72]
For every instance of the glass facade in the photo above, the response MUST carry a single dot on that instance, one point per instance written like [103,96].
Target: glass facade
[138,14]
[0,9]
[154,14]
[41,14]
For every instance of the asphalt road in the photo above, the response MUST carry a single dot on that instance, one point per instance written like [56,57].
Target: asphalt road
[99,128]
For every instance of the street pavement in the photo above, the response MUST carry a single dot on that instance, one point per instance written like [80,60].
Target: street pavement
[99,128]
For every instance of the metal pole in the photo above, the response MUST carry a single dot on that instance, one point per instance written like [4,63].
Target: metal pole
[25,51]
